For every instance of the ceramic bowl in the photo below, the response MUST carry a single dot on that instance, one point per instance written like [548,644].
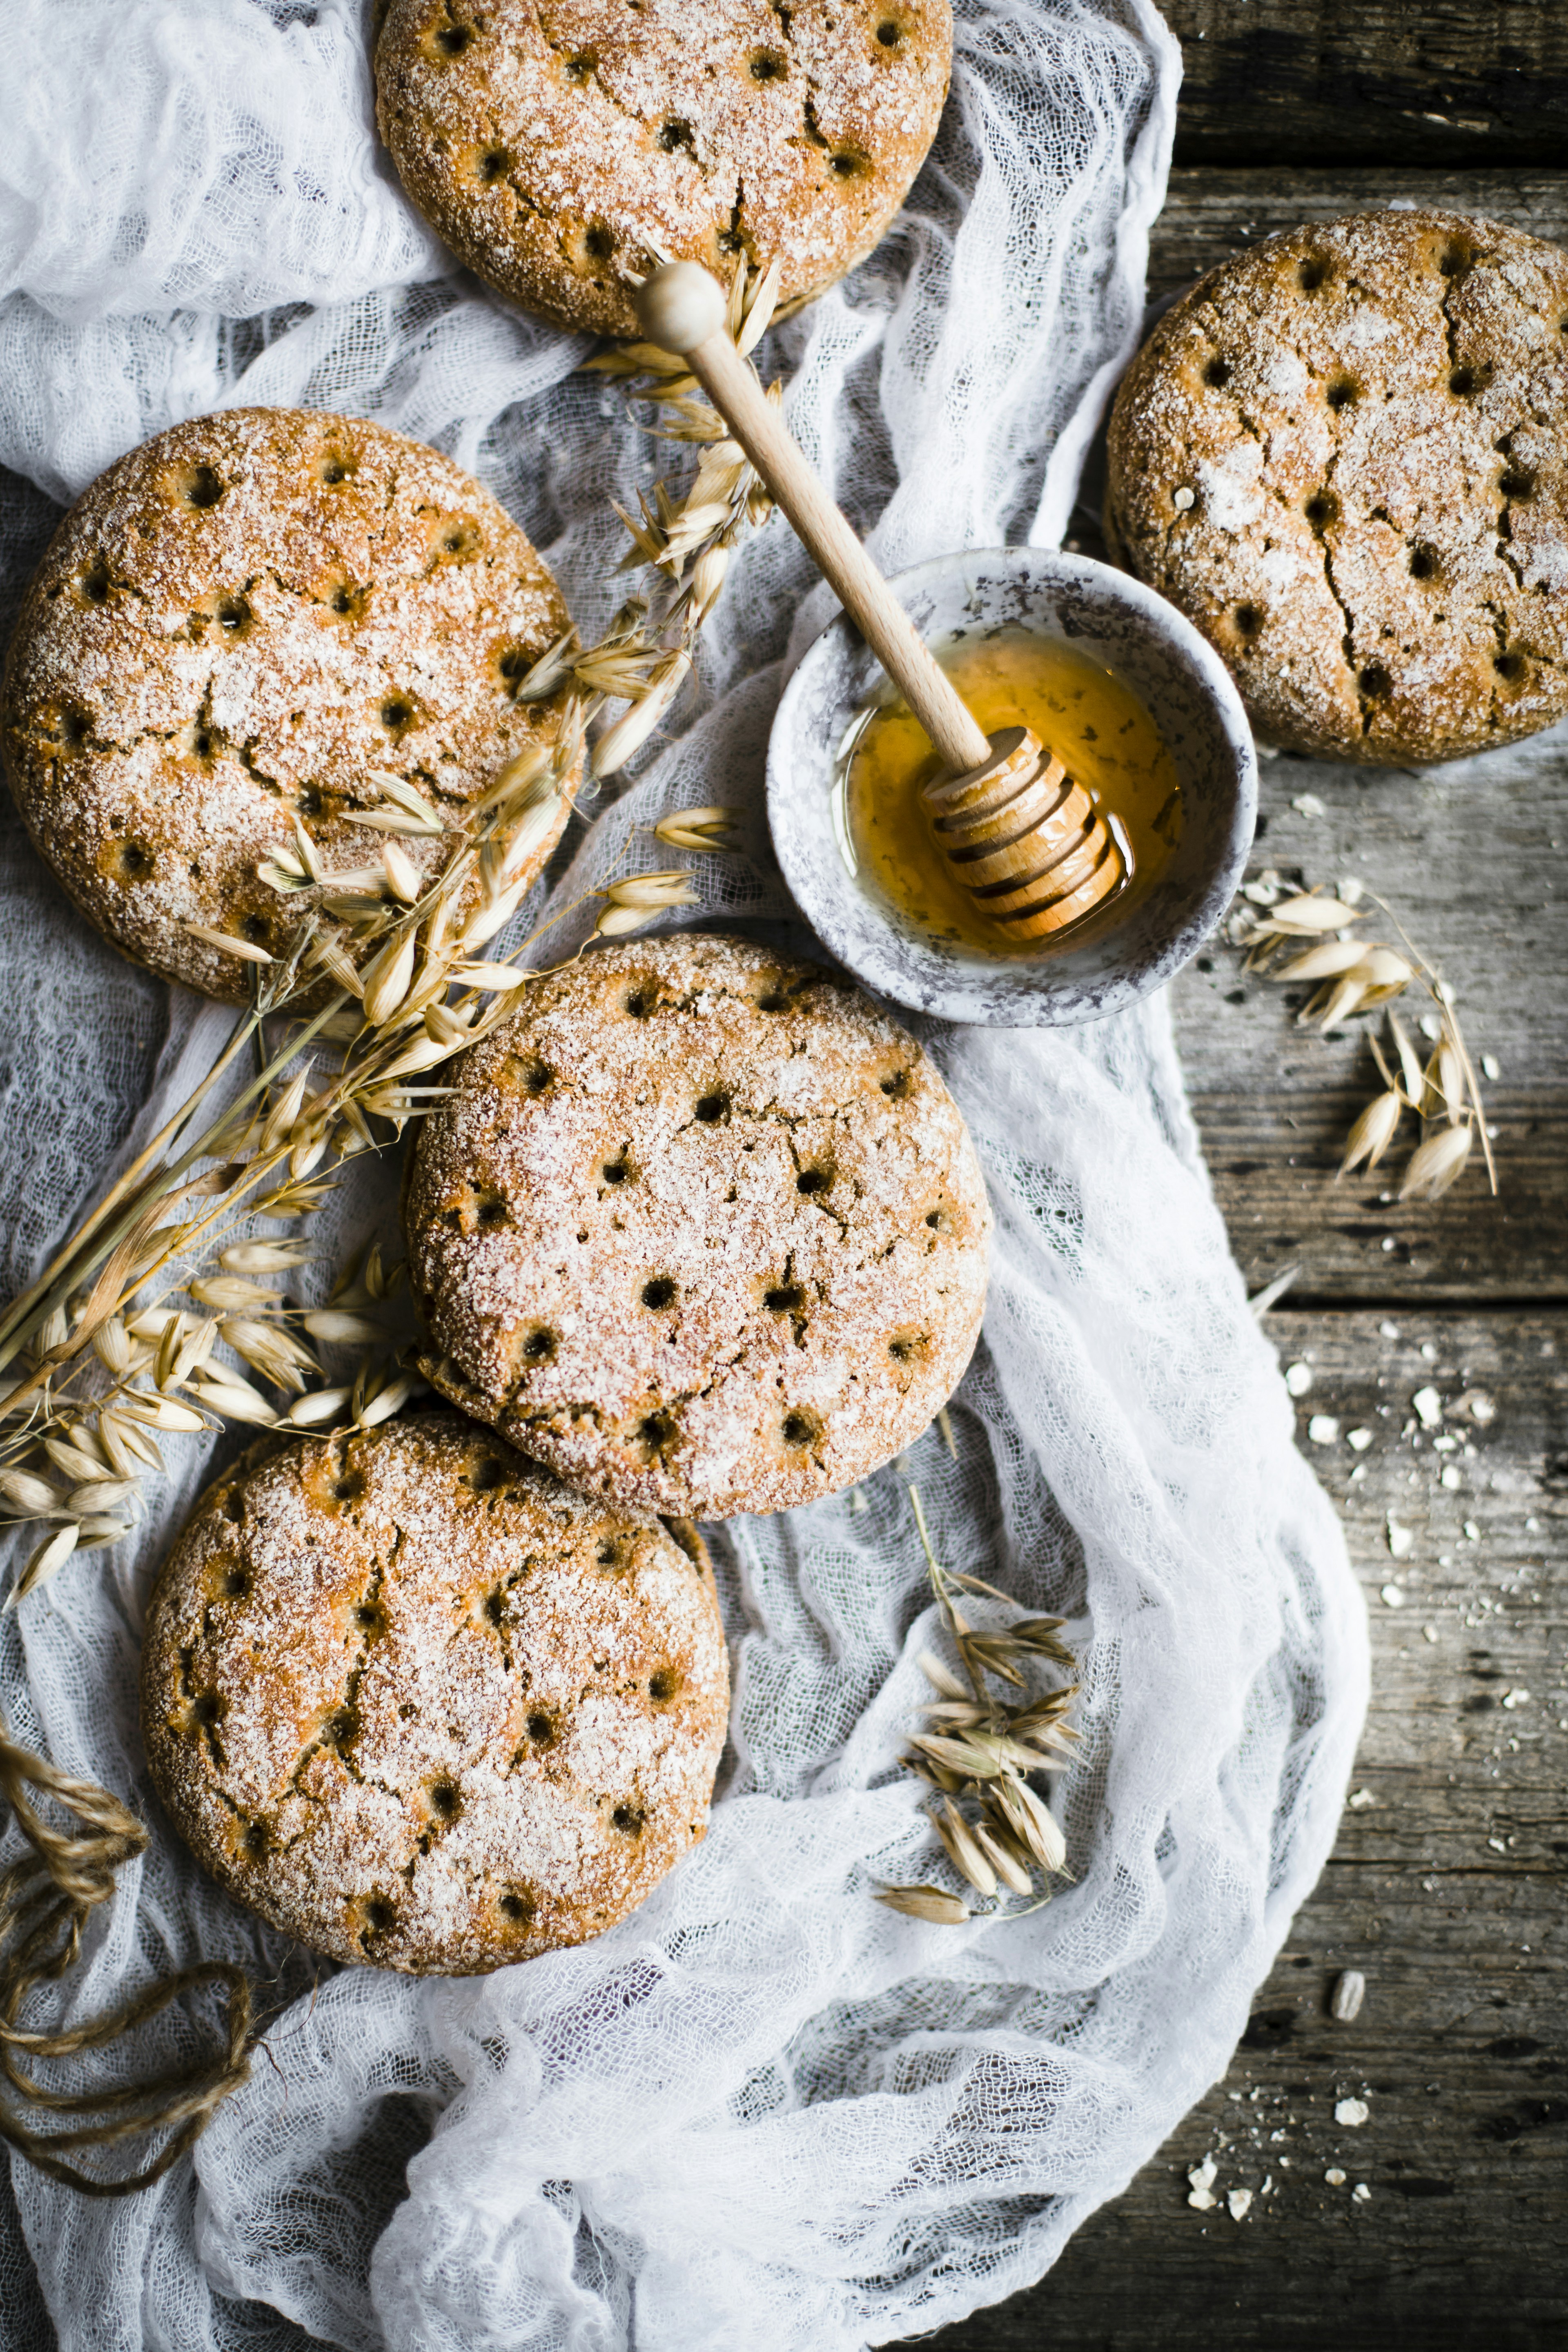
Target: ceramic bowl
[1187,692]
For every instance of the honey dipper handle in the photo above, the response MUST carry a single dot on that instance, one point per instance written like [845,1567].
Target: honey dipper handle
[682,310]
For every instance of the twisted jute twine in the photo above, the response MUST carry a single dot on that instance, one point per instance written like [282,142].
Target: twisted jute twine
[46,1897]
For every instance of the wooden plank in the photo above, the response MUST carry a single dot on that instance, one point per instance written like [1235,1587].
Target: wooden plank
[1449,83]
[1470,856]
[1458,2048]
[1211,214]
[1445,1891]
[1272,1166]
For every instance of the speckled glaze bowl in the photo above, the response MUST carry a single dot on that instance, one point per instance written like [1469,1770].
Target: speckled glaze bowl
[1180,682]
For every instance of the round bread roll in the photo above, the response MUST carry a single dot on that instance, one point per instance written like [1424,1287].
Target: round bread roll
[235,627]
[419,1706]
[700,1228]
[1342,457]
[563,155]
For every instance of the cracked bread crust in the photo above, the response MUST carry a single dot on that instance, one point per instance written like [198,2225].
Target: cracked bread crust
[700,1228]
[420,1706]
[1364,422]
[233,628]
[562,147]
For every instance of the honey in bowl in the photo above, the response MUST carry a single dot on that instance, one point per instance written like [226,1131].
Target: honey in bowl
[1096,726]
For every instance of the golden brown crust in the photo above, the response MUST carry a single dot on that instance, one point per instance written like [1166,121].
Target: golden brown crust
[1342,455]
[700,1228]
[233,625]
[562,146]
[418,1706]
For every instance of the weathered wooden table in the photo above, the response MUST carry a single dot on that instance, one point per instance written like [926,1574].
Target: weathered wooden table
[1445,1888]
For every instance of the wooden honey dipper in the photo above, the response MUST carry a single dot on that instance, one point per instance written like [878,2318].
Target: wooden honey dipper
[1024,839]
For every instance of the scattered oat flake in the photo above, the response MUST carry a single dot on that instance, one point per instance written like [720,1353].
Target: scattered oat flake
[1358,1440]
[1204,2199]
[1428,1632]
[1516,1698]
[1431,1026]
[1491,1067]
[1399,1539]
[1309,804]
[1472,1533]
[1299,1379]
[1352,2112]
[1241,2203]
[1496,1845]
[1452,1476]
[1323,1429]
[1392,1597]
[1388,1330]
[1349,1992]
[1335,2177]
[1360,1799]
[1201,2175]
[1362,2193]
[1429,1405]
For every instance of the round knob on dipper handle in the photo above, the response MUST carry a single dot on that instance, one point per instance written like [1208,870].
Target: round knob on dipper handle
[680,306]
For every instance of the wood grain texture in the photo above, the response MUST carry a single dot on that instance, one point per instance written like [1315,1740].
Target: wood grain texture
[1471,858]
[1445,1890]
[1460,2050]
[1449,83]
[1210,215]
[1469,855]
[1446,1887]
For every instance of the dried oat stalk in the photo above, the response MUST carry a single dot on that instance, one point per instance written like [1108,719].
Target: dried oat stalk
[80,1426]
[1313,935]
[48,1892]
[160,1315]
[979,1751]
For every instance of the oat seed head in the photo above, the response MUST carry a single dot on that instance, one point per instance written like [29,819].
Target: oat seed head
[1437,1163]
[1372,1134]
[404,1027]
[931,1904]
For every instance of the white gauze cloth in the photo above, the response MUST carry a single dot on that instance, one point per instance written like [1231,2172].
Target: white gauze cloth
[764,2109]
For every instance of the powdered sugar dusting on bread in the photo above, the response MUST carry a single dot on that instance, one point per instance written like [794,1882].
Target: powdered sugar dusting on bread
[421,1706]
[562,146]
[1342,457]
[233,627]
[702,1228]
